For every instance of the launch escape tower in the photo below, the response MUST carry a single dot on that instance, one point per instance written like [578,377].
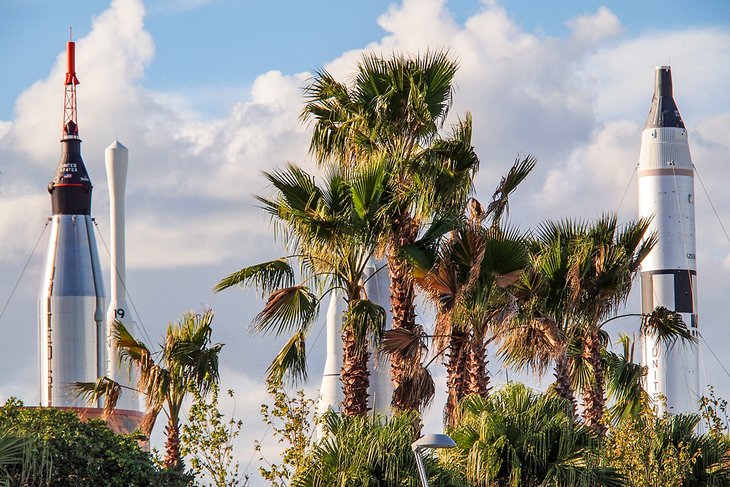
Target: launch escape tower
[669,272]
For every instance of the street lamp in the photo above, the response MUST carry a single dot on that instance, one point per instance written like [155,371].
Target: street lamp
[425,442]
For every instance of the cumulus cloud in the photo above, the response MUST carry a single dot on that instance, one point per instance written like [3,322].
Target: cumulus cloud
[592,28]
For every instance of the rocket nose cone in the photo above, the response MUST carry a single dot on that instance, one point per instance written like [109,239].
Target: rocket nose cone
[663,111]
[116,145]
[663,81]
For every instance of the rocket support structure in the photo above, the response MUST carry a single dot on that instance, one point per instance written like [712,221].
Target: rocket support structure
[72,335]
[669,272]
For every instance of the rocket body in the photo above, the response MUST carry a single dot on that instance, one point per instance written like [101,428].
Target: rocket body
[377,288]
[330,392]
[117,161]
[72,299]
[669,272]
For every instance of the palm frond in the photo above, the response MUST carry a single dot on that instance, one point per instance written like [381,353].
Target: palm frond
[291,361]
[624,382]
[402,342]
[367,320]
[666,326]
[292,308]
[266,277]
[148,420]
[418,388]
[132,351]
[509,183]
[104,388]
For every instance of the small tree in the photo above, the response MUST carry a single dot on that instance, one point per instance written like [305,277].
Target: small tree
[666,451]
[207,439]
[188,360]
[290,419]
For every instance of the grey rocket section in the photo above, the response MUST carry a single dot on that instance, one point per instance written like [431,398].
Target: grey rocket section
[669,272]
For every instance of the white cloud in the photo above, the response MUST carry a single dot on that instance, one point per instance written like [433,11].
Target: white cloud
[596,27]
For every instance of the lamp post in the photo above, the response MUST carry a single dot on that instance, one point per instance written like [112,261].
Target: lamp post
[425,442]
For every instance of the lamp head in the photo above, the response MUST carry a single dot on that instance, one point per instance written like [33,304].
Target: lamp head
[433,441]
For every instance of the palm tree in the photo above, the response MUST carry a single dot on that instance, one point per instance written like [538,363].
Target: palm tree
[604,263]
[187,361]
[466,277]
[581,275]
[520,437]
[334,231]
[464,273]
[539,333]
[393,111]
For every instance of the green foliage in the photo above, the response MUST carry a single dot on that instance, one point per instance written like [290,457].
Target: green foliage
[290,420]
[714,412]
[518,437]
[637,449]
[207,440]
[81,453]
[368,451]
[187,361]
[666,451]
[24,461]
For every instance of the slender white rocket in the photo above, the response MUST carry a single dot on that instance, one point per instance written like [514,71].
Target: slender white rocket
[377,288]
[72,335]
[117,161]
[669,272]
[330,392]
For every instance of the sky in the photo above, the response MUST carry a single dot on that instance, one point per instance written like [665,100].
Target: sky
[206,95]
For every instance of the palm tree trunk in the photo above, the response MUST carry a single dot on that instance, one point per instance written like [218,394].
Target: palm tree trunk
[355,376]
[455,376]
[563,388]
[403,308]
[477,381]
[173,461]
[593,395]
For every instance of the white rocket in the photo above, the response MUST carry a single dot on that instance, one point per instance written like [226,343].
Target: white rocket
[117,160]
[377,288]
[669,272]
[330,392]
[72,335]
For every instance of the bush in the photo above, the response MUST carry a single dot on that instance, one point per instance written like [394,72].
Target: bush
[82,454]
[370,450]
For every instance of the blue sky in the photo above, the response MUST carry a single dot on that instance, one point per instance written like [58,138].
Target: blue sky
[206,95]
[221,43]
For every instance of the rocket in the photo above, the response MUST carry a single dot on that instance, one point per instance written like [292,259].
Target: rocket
[377,288]
[116,159]
[330,391]
[72,335]
[669,272]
